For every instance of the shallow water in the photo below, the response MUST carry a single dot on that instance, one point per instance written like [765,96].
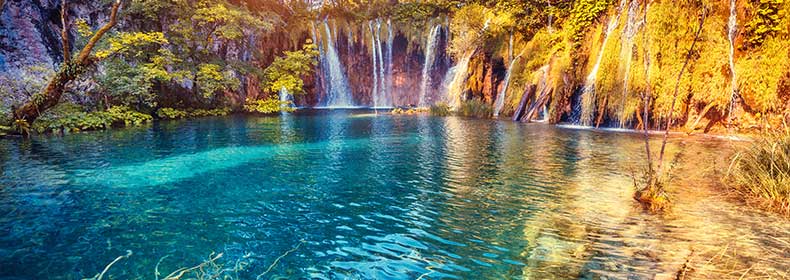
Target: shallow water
[352,194]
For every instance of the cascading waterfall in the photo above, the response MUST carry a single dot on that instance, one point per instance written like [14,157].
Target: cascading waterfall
[587,103]
[629,31]
[430,57]
[381,68]
[380,95]
[455,79]
[456,76]
[388,87]
[500,97]
[374,57]
[286,99]
[732,29]
[338,93]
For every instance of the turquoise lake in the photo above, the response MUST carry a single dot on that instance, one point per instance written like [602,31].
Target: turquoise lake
[357,195]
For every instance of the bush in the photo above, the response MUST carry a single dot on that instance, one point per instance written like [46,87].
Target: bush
[762,171]
[197,113]
[476,108]
[268,106]
[170,114]
[440,109]
[68,117]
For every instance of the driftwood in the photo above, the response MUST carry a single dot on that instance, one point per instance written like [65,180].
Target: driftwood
[539,103]
[69,70]
[522,105]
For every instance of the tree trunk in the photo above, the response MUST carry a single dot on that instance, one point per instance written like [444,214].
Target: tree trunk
[70,70]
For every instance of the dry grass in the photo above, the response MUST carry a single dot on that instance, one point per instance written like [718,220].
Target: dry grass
[761,172]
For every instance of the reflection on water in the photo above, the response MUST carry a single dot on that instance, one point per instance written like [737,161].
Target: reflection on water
[372,196]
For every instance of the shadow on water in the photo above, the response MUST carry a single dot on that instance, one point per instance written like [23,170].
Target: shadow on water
[372,196]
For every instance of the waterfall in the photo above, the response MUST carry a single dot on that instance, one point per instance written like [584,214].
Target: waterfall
[388,87]
[629,31]
[500,97]
[455,79]
[338,93]
[381,68]
[286,99]
[374,94]
[430,57]
[732,30]
[380,99]
[587,103]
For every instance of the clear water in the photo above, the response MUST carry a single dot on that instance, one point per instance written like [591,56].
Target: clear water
[359,195]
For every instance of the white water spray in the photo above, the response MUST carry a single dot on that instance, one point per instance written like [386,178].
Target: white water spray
[732,30]
[588,91]
[430,57]
[338,93]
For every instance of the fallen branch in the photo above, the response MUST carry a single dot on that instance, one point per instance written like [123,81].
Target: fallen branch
[106,268]
[277,260]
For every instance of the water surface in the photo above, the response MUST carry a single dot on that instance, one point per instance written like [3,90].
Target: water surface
[352,194]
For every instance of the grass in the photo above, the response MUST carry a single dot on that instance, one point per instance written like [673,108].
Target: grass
[440,109]
[475,108]
[762,172]
[651,191]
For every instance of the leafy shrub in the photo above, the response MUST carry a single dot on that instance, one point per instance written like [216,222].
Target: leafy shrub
[268,106]
[762,170]
[475,108]
[765,22]
[197,113]
[170,114]
[68,117]
[440,109]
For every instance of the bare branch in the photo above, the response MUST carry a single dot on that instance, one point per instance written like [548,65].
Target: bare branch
[677,86]
[64,33]
[86,51]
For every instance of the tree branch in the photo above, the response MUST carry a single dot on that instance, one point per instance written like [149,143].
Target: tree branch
[86,51]
[64,33]
[677,86]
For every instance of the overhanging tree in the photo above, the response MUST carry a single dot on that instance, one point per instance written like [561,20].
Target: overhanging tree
[70,69]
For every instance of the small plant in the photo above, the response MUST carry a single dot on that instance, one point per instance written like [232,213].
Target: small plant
[69,117]
[170,114]
[440,109]
[651,191]
[762,171]
[268,106]
[475,108]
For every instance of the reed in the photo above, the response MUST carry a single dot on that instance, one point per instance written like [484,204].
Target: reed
[761,171]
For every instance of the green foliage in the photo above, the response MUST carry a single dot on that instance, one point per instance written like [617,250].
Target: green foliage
[583,15]
[172,114]
[211,79]
[440,109]
[765,22]
[69,117]
[197,113]
[468,28]
[762,170]
[475,108]
[286,72]
[760,88]
[268,106]
[133,44]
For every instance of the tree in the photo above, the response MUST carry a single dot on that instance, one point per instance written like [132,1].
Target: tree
[70,69]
